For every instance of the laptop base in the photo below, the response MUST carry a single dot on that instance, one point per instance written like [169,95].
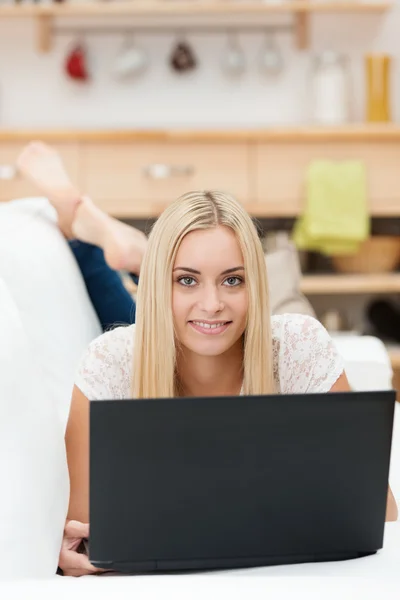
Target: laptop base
[223,563]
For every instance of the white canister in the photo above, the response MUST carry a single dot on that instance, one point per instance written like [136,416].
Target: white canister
[330,89]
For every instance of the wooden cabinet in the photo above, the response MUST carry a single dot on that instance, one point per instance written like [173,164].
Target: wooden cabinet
[135,174]
[142,177]
[281,169]
[12,185]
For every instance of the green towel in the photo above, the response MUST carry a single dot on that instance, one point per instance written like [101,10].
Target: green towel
[336,218]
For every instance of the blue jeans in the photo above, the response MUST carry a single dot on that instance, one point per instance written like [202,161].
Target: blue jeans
[111,301]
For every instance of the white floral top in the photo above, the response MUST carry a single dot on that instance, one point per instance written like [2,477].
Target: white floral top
[304,355]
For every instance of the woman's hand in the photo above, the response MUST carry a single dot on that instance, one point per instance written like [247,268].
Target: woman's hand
[72,562]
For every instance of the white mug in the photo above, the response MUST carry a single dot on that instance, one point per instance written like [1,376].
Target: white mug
[271,61]
[234,59]
[131,61]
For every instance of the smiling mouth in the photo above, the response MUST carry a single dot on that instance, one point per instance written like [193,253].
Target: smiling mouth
[210,327]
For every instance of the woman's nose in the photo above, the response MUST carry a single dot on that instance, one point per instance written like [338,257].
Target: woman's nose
[210,300]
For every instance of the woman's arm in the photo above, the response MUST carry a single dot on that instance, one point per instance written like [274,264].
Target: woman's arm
[71,561]
[392,512]
[342,385]
[77,445]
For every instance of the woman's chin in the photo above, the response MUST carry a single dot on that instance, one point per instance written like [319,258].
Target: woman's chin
[203,350]
[208,347]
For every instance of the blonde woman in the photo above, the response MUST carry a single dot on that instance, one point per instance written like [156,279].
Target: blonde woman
[203,323]
[203,328]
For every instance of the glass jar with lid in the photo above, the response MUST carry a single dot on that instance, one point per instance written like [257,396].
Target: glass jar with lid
[330,89]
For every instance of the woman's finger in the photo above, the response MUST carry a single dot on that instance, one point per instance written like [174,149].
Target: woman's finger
[77,529]
[72,562]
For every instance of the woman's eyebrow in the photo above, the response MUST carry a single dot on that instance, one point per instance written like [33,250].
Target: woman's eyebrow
[240,268]
[232,270]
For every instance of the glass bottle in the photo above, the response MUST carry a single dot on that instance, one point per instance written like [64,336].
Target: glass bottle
[377,68]
[330,89]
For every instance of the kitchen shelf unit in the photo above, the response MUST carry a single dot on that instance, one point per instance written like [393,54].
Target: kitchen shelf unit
[263,168]
[301,10]
[337,284]
[357,132]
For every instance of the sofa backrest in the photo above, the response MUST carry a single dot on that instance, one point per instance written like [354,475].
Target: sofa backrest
[46,286]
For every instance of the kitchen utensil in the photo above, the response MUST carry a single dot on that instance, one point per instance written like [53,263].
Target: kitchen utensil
[330,89]
[183,58]
[270,61]
[131,60]
[76,63]
[234,59]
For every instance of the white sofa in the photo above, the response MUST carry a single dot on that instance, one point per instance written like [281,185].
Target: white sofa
[46,323]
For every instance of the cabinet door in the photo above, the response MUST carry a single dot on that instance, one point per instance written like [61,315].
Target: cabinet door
[281,171]
[13,185]
[141,178]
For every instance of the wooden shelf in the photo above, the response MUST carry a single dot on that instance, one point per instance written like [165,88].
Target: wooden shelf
[300,9]
[267,152]
[192,7]
[350,284]
[350,133]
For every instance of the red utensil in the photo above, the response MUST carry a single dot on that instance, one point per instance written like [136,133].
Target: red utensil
[76,63]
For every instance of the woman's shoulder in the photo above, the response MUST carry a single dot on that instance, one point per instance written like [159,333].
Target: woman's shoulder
[113,337]
[289,325]
[113,345]
[105,369]
[305,356]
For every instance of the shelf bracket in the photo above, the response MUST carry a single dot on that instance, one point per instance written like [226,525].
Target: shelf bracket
[302,30]
[44,40]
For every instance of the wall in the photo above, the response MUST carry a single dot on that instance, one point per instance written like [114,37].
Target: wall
[35,93]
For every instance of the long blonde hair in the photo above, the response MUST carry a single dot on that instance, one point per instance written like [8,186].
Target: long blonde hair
[155,347]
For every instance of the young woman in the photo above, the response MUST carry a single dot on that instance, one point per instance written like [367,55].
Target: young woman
[203,328]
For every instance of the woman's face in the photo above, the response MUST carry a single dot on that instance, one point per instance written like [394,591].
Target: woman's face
[209,294]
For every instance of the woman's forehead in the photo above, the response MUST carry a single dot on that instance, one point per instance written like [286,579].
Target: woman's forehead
[210,251]
[208,241]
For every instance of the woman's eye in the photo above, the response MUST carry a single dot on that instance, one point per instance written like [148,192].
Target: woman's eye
[187,281]
[233,281]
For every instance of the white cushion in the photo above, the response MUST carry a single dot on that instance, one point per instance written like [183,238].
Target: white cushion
[367,362]
[33,469]
[47,288]
[368,367]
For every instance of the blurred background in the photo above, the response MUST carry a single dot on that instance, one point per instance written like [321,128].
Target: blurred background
[292,106]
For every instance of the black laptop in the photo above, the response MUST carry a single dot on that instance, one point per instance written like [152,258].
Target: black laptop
[227,482]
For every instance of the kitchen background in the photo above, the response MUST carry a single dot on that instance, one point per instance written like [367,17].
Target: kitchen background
[83,89]
[35,92]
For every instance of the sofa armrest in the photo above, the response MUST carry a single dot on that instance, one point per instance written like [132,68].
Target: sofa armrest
[368,367]
[367,361]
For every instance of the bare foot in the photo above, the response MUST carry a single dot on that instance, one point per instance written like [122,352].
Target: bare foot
[123,246]
[42,165]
